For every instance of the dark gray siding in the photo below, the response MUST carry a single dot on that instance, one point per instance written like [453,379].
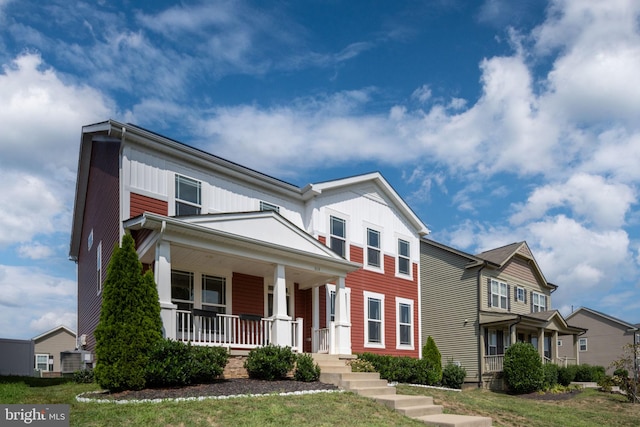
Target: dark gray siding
[449,297]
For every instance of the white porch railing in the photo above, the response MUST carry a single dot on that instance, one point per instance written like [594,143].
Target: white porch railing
[321,340]
[494,363]
[566,361]
[233,331]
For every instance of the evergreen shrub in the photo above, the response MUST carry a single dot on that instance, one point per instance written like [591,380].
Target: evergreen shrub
[270,362]
[431,353]
[306,369]
[453,375]
[523,370]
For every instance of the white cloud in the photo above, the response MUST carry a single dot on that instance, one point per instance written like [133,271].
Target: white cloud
[422,94]
[52,319]
[593,198]
[35,251]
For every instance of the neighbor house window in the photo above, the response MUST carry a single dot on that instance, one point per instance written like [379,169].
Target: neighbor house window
[559,343]
[539,302]
[264,206]
[498,294]
[582,344]
[188,196]
[42,362]
[404,257]
[338,236]
[404,320]
[521,294]
[99,267]
[373,248]
[214,291]
[374,319]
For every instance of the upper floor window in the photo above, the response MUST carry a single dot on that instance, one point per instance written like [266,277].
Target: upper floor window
[373,248]
[498,294]
[404,257]
[338,236]
[582,344]
[188,196]
[538,302]
[264,206]
[521,294]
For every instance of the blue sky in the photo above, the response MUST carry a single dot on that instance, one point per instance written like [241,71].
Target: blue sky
[497,121]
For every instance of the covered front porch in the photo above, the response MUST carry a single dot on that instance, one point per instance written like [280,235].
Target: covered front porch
[541,329]
[243,280]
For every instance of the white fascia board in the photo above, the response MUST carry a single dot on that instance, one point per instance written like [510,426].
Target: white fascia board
[44,334]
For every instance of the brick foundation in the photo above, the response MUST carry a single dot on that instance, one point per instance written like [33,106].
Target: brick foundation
[235,368]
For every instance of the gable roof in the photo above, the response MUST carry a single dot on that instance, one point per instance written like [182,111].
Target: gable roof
[51,331]
[605,316]
[474,261]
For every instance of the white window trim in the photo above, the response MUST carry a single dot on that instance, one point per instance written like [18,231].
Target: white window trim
[199,297]
[533,302]
[506,289]
[367,295]
[408,302]
[47,356]
[586,347]
[366,266]
[99,268]
[345,218]
[172,205]
[397,267]
[332,288]
[559,343]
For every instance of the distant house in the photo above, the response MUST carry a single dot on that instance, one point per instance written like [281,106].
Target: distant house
[603,342]
[475,306]
[242,259]
[47,349]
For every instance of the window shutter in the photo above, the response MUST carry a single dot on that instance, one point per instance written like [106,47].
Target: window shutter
[515,294]
[509,297]
[525,296]
[489,292]
[531,302]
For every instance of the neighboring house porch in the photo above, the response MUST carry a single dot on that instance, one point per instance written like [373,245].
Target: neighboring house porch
[243,280]
[540,329]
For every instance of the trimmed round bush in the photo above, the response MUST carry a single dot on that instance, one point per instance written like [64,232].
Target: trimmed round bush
[453,375]
[307,369]
[523,370]
[270,362]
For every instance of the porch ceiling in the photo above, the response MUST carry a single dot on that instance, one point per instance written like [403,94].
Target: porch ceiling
[207,249]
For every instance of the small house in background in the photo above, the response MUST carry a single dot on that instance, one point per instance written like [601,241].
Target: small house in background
[48,348]
[604,341]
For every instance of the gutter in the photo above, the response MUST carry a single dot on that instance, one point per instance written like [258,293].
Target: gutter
[479,346]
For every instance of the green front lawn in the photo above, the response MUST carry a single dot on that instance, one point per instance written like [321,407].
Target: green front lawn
[590,408]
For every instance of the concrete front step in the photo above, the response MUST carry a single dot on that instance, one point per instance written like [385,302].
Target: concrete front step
[410,406]
[358,383]
[452,420]
[374,391]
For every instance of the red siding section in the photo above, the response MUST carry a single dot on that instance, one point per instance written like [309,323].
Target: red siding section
[304,309]
[101,214]
[141,204]
[391,287]
[247,294]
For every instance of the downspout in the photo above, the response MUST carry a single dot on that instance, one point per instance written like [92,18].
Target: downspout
[479,346]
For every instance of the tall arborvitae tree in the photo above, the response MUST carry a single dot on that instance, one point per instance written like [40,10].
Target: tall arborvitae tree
[431,353]
[130,323]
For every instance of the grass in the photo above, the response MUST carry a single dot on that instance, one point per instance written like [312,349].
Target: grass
[589,408]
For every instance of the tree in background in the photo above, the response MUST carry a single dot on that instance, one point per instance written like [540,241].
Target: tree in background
[431,353]
[627,371]
[130,323]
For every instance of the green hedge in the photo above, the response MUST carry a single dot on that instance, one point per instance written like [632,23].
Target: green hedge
[580,373]
[270,362]
[403,369]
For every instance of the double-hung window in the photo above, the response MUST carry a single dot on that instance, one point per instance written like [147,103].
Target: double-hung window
[338,236]
[188,196]
[373,248]
[374,319]
[521,294]
[539,302]
[214,294]
[404,257]
[182,296]
[498,294]
[42,362]
[582,344]
[404,331]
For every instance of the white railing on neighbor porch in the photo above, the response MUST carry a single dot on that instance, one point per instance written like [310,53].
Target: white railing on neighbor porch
[321,340]
[233,331]
[494,363]
[566,361]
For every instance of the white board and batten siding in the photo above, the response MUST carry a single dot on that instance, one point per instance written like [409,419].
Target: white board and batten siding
[153,175]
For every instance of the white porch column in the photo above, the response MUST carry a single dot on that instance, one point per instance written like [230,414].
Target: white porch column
[576,348]
[541,343]
[162,273]
[513,334]
[342,324]
[554,347]
[281,328]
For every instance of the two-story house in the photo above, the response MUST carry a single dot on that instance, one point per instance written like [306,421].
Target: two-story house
[475,306]
[242,259]
[604,341]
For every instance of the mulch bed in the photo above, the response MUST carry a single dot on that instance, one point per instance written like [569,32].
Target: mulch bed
[551,396]
[229,387]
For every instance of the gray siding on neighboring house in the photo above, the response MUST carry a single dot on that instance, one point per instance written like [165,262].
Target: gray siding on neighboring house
[605,339]
[449,297]
[16,357]
[54,344]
